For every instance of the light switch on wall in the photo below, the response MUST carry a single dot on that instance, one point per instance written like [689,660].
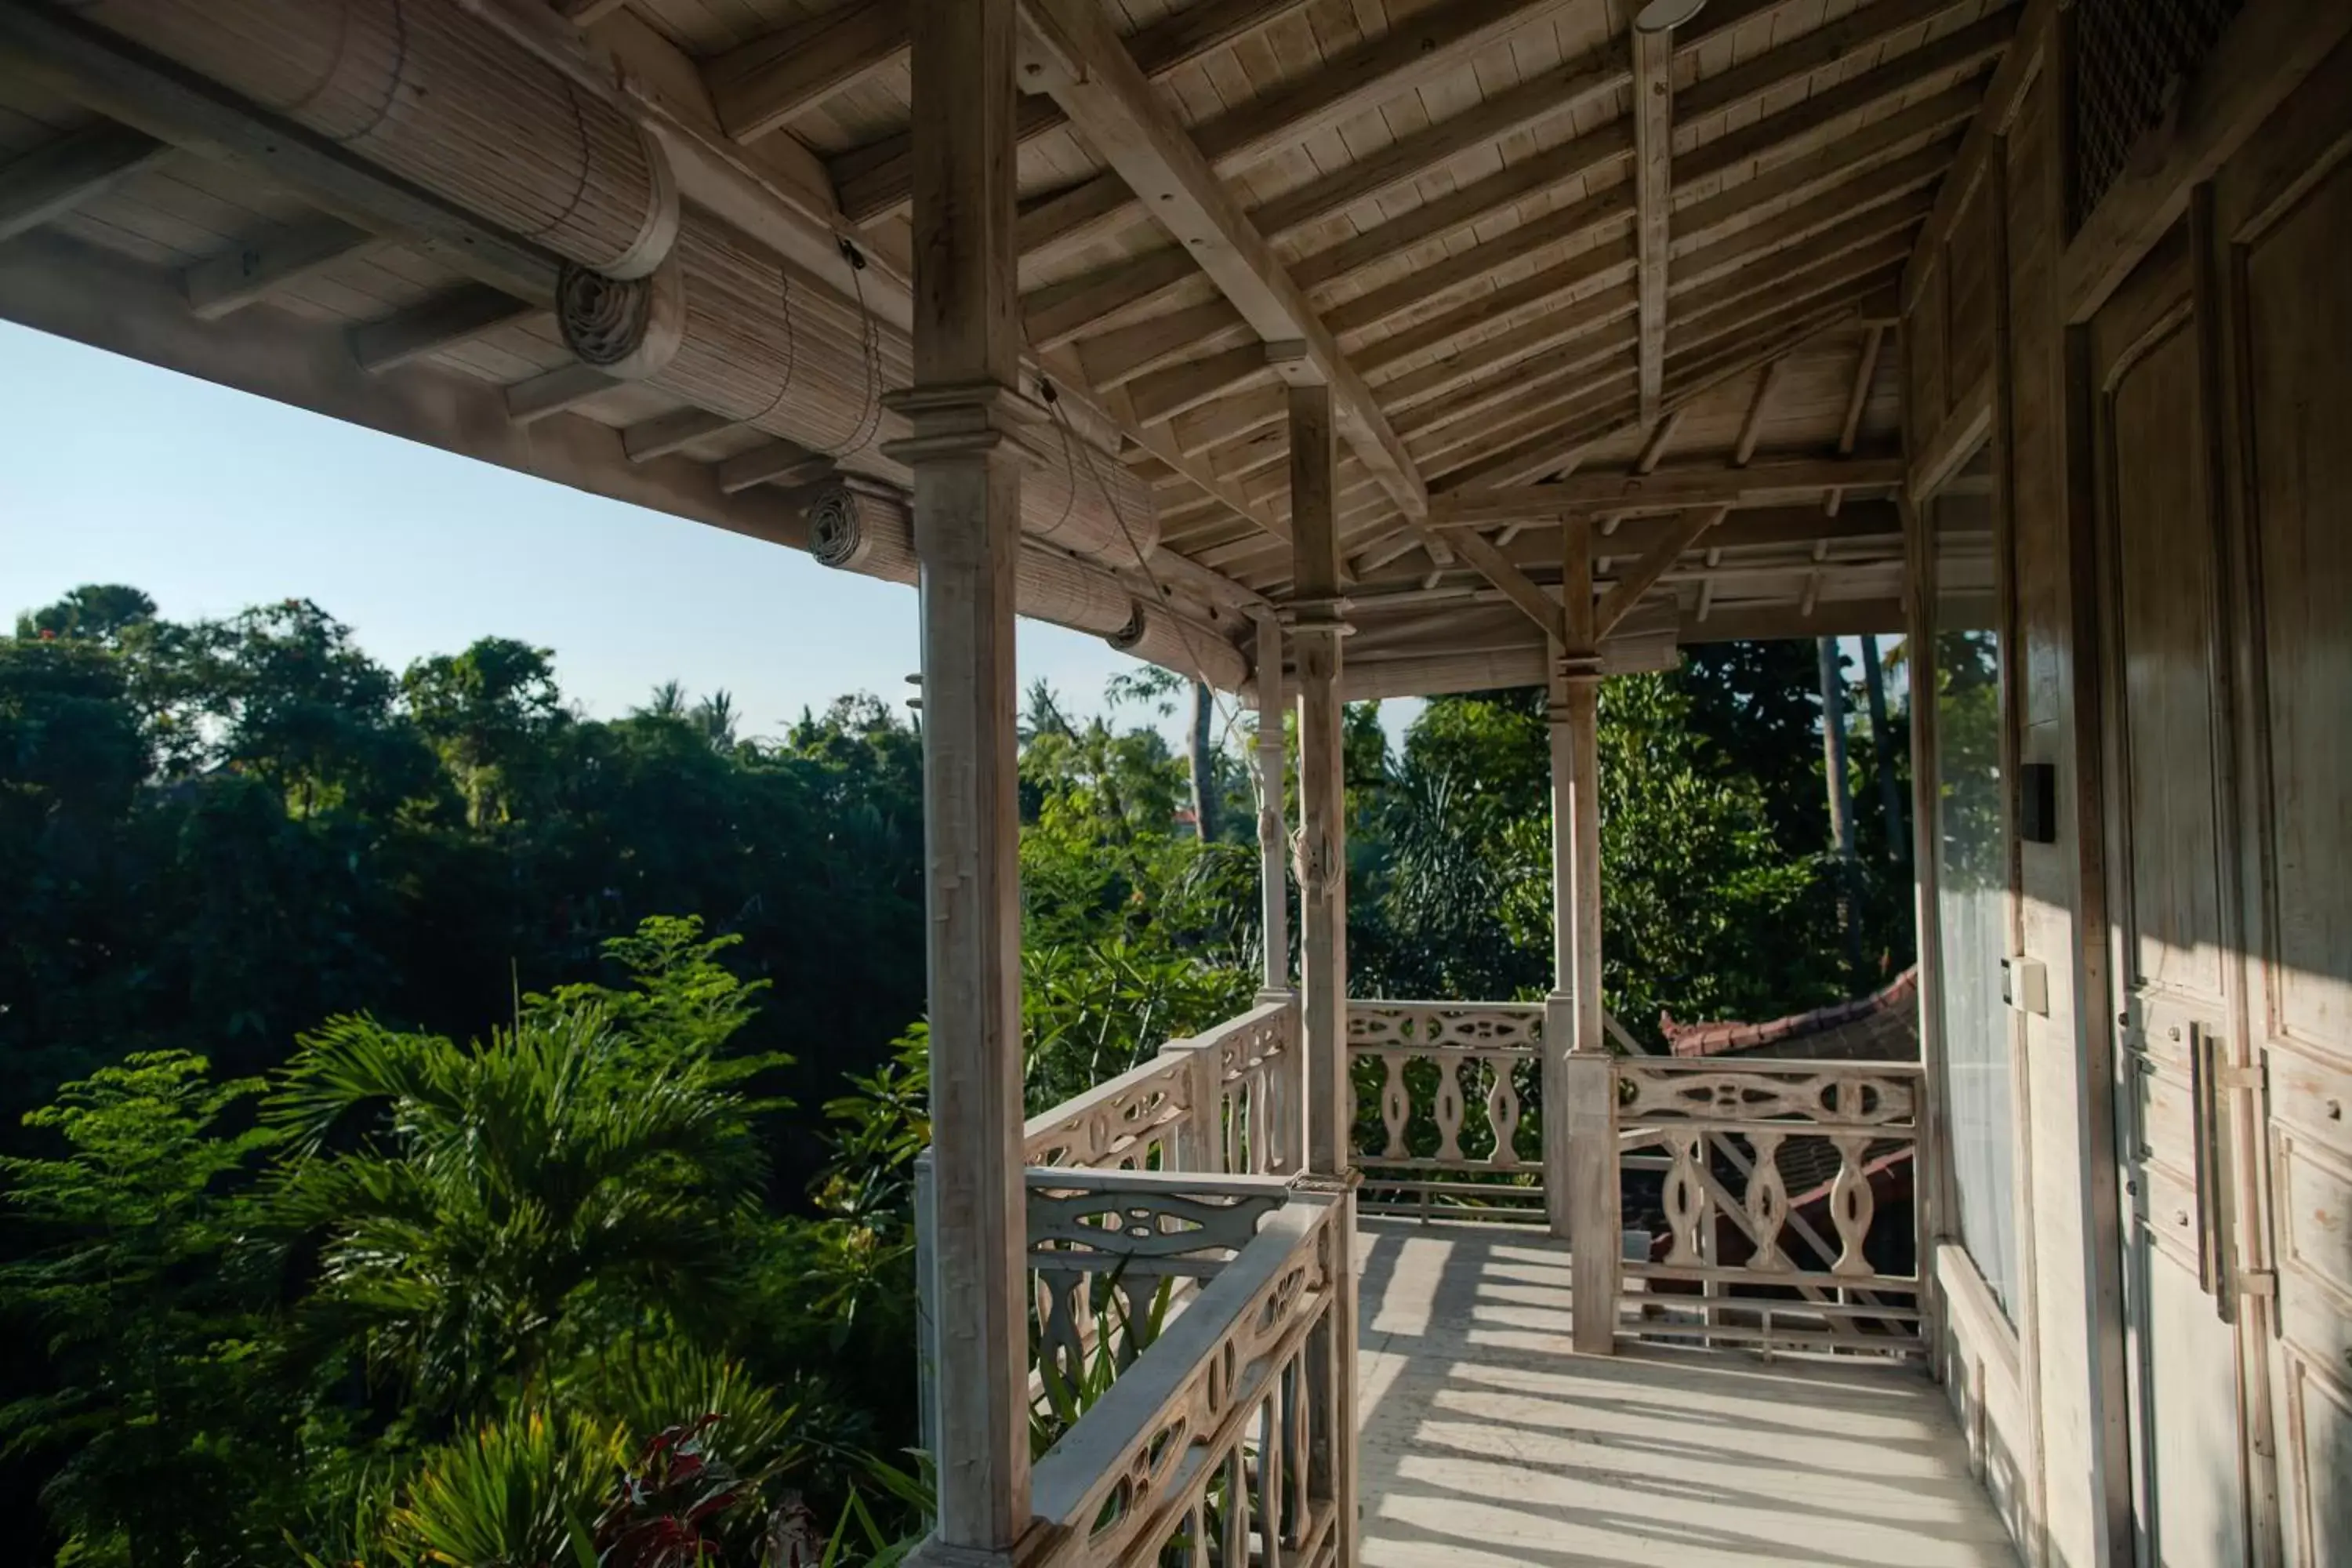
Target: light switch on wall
[2025,984]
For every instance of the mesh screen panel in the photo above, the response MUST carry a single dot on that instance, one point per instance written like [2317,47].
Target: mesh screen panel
[2130,57]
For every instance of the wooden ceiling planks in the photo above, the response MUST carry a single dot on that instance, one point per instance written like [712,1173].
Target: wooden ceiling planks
[1450,185]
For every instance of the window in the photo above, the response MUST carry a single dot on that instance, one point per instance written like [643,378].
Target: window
[1971,846]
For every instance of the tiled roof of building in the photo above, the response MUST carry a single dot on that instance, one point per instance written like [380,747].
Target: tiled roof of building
[1882,1026]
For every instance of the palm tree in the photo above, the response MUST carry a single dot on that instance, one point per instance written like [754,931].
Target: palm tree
[669,701]
[504,1205]
[715,715]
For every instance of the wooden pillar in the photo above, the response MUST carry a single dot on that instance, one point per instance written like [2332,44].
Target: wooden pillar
[1584,1148]
[1319,625]
[1317,622]
[1272,823]
[967,487]
[1559,1006]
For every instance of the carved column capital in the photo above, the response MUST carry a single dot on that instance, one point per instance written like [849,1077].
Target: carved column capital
[1325,617]
[958,418]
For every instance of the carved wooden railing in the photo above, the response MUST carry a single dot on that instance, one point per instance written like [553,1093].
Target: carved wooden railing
[1229,1100]
[1169,1246]
[1226,1440]
[1444,1093]
[1749,1147]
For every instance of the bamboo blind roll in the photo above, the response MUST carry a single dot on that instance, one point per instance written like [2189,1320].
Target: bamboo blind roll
[1076,496]
[774,348]
[432,95]
[1162,637]
[855,525]
[1069,592]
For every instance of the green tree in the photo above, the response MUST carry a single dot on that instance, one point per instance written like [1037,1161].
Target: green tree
[502,1207]
[145,1314]
[489,713]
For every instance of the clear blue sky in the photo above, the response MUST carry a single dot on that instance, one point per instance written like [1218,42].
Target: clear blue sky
[212,501]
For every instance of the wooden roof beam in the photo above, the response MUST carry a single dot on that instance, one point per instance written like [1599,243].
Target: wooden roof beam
[1069,308]
[1665,489]
[1654,192]
[1820,114]
[1887,196]
[1428,43]
[57,176]
[774,462]
[1611,261]
[1752,426]
[1789,526]
[1077,57]
[466,312]
[1865,372]
[1560,333]
[758,87]
[877,180]
[666,434]
[1467,268]
[1515,454]
[1836,262]
[1641,576]
[249,273]
[1515,585]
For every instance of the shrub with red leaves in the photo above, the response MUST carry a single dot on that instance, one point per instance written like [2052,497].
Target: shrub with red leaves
[658,1513]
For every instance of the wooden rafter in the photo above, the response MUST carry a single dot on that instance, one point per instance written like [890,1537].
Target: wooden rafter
[1751,425]
[759,87]
[1429,44]
[444,321]
[668,434]
[1515,585]
[1665,489]
[876,180]
[1857,399]
[1653,189]
[1862,525]
[1518,453]
[1641,576]
[59,176]
[1083,64]
[249,273]
[1068,309]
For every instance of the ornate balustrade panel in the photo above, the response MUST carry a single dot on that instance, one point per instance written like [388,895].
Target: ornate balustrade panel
[1131,1122]
[1214,1445]
[1261,1089]
[1445,1094]
[1765,1218]
[1109,1252]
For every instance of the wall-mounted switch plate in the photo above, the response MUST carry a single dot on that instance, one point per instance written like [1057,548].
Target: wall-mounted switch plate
[2025,984]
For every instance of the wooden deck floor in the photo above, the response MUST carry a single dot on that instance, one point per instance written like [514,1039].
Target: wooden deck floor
[1485,1442]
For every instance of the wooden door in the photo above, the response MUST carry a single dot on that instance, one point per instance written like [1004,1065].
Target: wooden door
[2172,898]
[2281,229]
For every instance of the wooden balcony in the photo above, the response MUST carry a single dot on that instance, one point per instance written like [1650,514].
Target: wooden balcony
[1485,1441]
[1763,1395]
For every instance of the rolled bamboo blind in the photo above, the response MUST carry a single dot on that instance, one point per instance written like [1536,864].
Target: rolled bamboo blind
[426,92]
[433,95]
[857,526]
[1160,636]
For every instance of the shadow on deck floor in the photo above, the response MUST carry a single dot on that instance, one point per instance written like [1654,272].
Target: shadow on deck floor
[1485,1442]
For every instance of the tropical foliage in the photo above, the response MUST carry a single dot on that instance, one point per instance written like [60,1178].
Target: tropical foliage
[438,1126]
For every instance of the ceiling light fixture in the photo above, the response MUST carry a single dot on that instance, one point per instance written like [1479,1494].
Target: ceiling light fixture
[1666,16]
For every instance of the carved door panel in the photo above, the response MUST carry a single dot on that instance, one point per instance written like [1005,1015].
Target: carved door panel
[2281,230]
[2171,897]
